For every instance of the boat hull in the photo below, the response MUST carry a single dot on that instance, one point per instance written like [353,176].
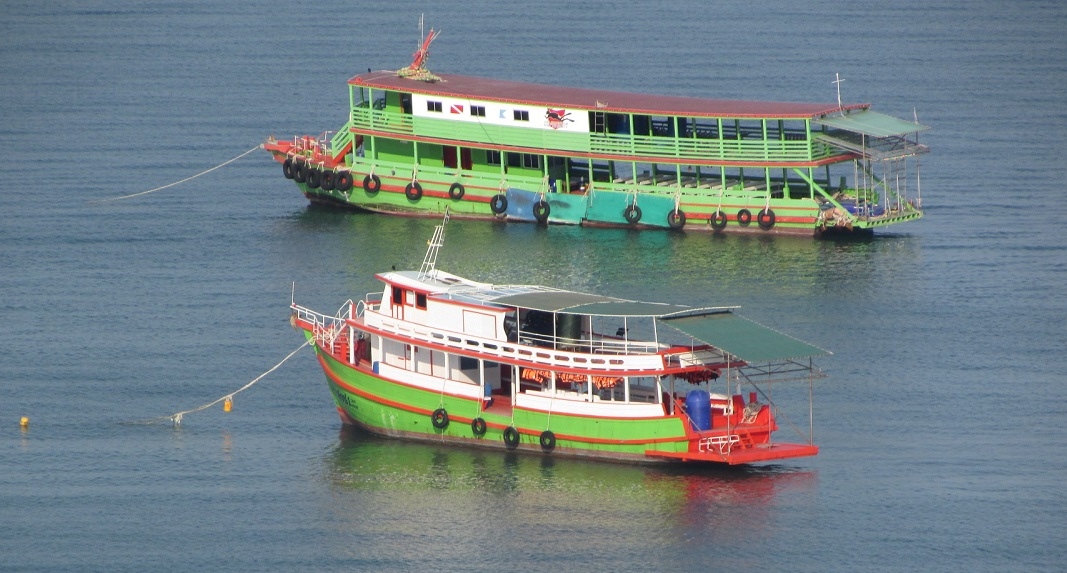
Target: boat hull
[388,189]
[394,409]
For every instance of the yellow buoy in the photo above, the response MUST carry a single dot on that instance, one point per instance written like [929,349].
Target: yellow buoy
[227,405]
[25,422]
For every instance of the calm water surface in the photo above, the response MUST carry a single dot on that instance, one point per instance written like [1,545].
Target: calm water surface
[943,425]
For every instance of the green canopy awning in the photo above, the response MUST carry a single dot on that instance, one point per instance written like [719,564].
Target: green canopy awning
[741,337]
[871,123]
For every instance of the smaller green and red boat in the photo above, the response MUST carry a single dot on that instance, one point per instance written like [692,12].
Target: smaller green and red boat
[437,357]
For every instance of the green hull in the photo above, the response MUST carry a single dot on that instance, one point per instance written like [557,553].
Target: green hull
[392,409]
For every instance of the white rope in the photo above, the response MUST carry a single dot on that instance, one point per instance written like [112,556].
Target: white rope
[177,417]
[177,182]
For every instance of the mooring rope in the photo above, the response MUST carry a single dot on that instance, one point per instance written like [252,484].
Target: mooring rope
[223,164]
[176,418]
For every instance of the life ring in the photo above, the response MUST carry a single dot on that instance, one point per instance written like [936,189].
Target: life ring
[511,437]
[439,418]
[718,220]
[676,219]
[478,427]
[313,177]
[328,183]
[287,168]
[413,191]
[371,184]
[344,181]
[300,172]
[632,214]
[744,217]
[765,219]
[541,211]
[548,441]
[456,191]
[499,203]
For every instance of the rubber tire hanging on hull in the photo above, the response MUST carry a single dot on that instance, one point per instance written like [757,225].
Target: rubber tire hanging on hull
[287,168]
[676,219]
[328,183]
[300,172]
[371,184]
[344,181]
[456,191]
[313,178]
[541,211]
[439,418]
[498,204]
[548,441]
[718,220]
[413,191]
[478,427]
[744,217]
[511,437]
[632,214]
[765,219]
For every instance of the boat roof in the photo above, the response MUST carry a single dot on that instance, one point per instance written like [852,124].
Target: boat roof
[872,123]
[746,339]
[718,326]
[602,100]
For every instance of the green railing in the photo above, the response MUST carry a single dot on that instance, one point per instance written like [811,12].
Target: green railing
[341,139]
[671,148]
[378,120]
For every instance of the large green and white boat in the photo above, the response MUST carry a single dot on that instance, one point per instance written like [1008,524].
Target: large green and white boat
[418,143]
[437,357]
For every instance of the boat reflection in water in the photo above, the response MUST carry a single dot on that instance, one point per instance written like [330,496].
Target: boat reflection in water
[408,504]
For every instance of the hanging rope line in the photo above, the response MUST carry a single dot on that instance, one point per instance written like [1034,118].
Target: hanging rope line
[176,182]
[176,418]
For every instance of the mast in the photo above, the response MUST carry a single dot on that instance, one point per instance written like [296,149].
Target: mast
[429,262]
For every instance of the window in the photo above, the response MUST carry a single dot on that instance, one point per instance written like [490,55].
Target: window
[521,115]
[467,363]
[478,110]
[433,106]
[492,157]
[420,300]
[398,295]
[526,160]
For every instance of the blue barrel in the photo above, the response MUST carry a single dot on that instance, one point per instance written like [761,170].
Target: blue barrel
[698,405]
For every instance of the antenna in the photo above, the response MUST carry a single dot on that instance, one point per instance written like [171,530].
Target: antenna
[429,263]
[838,82]
[417,70]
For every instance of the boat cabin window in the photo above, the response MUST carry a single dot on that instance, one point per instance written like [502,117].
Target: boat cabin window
[405,103]
[403,296]
[526,160]
[492,157]
[521,115]
[434,106]
[478,111]
[662,126]
[642,124]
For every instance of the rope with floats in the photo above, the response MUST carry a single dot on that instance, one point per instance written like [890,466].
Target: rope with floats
[223,164]
[227,400]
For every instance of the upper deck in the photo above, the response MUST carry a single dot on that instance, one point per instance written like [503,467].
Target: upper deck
[523,93]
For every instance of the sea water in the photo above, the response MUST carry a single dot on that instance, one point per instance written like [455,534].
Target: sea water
[942,425]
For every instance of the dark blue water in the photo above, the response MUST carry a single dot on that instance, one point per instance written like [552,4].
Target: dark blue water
[943,425]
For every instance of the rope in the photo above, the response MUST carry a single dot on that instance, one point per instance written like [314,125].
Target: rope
[176,418]
[176,182]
